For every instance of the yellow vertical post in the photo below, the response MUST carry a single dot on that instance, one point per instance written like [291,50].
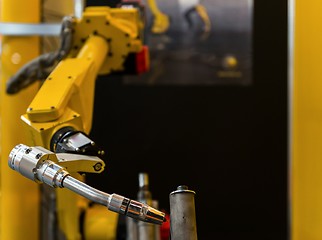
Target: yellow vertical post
[306,122]
[19,199]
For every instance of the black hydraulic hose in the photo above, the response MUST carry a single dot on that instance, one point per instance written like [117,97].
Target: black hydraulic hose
[40,67]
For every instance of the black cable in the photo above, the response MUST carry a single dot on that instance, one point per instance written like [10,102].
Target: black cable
[40,67]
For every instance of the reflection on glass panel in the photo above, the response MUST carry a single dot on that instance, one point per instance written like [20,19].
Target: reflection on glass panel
[198,42]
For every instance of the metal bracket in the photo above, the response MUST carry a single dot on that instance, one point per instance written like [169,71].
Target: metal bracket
[30,29]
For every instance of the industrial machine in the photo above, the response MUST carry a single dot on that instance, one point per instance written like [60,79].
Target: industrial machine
[140,230]
[161,21]
[57,150]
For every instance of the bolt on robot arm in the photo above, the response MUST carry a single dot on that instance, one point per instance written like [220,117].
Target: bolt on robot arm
[60,116]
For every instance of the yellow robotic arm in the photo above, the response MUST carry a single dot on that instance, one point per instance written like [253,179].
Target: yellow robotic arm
[201,11]
[103,38]
[59,117]
[161,21]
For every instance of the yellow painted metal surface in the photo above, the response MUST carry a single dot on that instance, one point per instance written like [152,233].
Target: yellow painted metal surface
[93,52]
[66,98]
[68,213]
[100,224]
[19,199]
[40,133]
[202,11]
[102,40]
[306,147]
[120,27]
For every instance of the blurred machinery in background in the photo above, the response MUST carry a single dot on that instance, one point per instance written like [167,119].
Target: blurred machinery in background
[212,37]
[137,230]
[161,21]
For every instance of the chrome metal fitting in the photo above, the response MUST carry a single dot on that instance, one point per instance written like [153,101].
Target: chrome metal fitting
[51,174]
[135,209]
[145,213]
[118,203]
[26,160]
[33,163]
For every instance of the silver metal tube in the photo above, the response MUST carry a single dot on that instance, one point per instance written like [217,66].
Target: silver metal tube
[182,214]
[86,191]
[145,230]
[131,229]
[114,202]
[143,180]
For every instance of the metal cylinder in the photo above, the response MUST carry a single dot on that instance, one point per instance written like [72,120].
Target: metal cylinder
[26,160]
[145,230]
[144,195]
[131,229]
[182,214]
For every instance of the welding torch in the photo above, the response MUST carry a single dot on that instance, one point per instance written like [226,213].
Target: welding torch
[40,165]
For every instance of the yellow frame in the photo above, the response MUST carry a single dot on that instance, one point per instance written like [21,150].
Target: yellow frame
[306,120]
[19,218]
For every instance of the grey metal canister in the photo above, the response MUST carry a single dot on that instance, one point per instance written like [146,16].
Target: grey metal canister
[183,224]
